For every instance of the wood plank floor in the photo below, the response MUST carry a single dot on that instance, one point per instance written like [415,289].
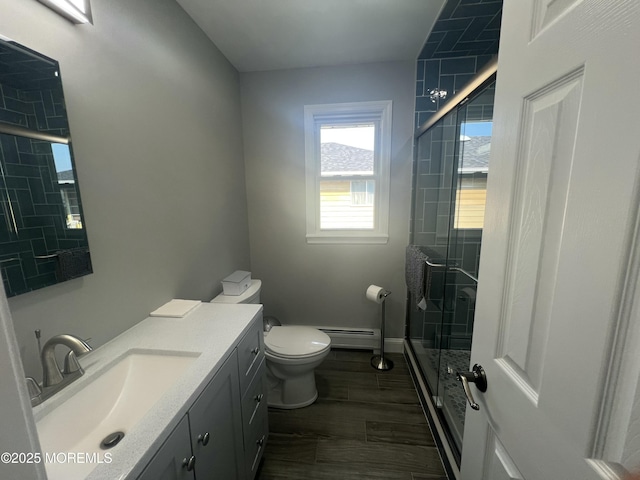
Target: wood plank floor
[365,425]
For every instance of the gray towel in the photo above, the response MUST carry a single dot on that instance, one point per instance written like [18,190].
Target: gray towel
[73,263]
[417,275]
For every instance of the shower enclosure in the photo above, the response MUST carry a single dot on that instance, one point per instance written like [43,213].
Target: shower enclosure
[449,190]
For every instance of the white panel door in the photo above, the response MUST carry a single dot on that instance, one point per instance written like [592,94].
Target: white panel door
[556,325]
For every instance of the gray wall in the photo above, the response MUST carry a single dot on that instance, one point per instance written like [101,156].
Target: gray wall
[154,111]
[321,284]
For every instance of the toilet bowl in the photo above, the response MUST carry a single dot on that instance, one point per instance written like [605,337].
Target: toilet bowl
[292,353]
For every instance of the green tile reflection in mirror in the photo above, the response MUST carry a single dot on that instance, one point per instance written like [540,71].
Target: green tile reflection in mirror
[43,238]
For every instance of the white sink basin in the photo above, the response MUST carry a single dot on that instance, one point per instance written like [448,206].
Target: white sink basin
[113,401]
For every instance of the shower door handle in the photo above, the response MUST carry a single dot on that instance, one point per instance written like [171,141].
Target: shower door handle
[477,376]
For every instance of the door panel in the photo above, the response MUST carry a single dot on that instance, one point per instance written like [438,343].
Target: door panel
[556,299]
[546,11]
[548,135]
[499,465]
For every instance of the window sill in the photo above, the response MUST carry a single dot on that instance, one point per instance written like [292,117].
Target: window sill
[356,239]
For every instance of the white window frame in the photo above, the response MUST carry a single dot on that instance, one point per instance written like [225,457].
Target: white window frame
[378,113]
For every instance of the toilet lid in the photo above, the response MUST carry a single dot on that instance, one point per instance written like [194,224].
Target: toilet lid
[296,341]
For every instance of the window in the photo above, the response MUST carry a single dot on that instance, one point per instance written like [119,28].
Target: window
[362,192]
[67,184]
[78,11]
[348,149]
[471,194]
[471,198]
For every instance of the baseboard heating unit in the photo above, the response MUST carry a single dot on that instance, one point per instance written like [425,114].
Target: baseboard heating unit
[363,338]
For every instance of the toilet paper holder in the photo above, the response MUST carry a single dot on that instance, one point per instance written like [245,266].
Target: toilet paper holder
[379,362]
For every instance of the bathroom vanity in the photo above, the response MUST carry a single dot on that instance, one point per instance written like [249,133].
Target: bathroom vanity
[189,395]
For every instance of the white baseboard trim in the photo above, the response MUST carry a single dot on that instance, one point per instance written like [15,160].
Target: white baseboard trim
[391,345]
[394,345]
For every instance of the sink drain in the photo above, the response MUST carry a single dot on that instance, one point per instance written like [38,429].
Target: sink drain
[111,440]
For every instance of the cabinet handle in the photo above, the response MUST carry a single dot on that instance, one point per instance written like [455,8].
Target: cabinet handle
[258,398]
[204,439]
[260,442]
[189,464]
[256,350]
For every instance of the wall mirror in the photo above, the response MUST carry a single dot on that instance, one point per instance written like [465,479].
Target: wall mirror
[43,238]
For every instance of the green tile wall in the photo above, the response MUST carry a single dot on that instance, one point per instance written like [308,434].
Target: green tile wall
[30,194]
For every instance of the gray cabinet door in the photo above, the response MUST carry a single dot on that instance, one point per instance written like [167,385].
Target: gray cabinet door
[216,426]
[169,462]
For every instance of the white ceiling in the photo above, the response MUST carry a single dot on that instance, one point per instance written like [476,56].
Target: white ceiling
[279,34]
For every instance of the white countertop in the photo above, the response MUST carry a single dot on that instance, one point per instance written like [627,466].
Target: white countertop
[211,330]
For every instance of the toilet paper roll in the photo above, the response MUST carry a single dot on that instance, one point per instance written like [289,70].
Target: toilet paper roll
[376,293]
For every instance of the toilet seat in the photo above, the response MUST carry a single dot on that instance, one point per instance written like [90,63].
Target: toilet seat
[274,355]
[296,342]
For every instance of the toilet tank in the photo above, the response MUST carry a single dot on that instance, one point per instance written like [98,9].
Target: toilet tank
[250,295]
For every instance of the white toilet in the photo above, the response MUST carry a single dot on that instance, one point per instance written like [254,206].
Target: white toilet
[293,352]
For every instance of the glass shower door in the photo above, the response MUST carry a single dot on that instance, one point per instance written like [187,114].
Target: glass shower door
[433,180]
[449,191]
[468,195]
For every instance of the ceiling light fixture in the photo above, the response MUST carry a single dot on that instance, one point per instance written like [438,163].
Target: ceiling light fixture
[78,11]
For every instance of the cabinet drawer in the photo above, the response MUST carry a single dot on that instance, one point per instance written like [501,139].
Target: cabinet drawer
[254,402]
[256,442]
[250,354]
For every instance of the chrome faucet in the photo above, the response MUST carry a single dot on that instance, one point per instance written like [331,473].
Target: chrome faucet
[51,374]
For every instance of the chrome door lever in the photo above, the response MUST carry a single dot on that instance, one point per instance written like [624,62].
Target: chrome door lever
[477,376]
